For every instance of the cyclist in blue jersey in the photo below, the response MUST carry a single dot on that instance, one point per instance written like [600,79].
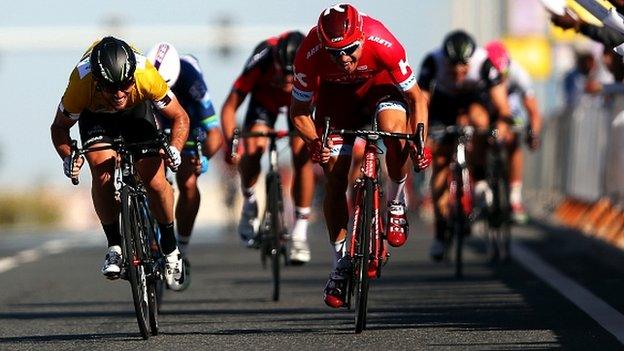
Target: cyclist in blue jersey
[184,76]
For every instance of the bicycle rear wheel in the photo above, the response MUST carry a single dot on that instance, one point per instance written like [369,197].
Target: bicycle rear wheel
[362,258]
[132,235]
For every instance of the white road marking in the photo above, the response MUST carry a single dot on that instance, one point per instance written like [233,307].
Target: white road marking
[32,255]
[608,317]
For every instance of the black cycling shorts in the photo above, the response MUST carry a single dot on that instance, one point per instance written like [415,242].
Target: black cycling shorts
[258,114]
[445,108]
[136,124]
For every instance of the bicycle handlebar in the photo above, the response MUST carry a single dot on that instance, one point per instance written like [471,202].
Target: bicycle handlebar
[418,138]
[273,134]
[118,143]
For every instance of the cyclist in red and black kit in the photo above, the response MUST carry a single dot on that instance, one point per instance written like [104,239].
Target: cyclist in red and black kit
[355,69]
[267,78]
[462,87]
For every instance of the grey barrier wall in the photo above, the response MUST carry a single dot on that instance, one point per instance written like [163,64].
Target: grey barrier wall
[582,153]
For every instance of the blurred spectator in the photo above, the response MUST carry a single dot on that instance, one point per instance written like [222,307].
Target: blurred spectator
[605,35]
[580,77]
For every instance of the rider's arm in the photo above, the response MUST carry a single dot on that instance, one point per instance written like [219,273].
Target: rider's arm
[535,118]
[228,114]
[418,102]
[60,133]
[302,120]
[179,122]
[498,95]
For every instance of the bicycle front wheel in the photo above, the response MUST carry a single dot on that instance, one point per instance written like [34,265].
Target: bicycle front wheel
[362,259]
[274,240]
[132,236]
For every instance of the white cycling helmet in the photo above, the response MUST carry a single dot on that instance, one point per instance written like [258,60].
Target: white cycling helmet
[166,60]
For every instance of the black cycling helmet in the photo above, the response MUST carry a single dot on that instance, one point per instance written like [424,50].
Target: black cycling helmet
[458,47]
[113,63]
[286,49]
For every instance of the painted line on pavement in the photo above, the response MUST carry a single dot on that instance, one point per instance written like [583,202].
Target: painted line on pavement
[31,255]
[608,317]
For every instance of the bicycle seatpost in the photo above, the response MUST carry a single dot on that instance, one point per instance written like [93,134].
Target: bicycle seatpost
[74,156]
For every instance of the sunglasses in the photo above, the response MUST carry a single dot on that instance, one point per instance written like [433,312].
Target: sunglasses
[112,89]
[345,51]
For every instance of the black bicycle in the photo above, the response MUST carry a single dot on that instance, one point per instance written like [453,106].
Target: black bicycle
[143,262]
[459,188]
[498,212]
[272,238]
[366,245]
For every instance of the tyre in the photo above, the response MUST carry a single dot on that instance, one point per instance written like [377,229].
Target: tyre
[362,258]
[132,237]
[274,237]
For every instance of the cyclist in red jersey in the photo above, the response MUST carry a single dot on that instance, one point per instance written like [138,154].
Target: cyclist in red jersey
[267,77]
[354,69]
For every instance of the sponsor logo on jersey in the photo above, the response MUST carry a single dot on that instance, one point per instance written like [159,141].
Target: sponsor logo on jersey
[403,65]
[313,51]
[381,41]
[84,67]
[299,77]
[301,95]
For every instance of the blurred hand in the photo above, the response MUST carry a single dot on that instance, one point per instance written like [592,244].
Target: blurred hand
[175,160]
[593,86]
[319,153]
[421,162]
[72,169]
[565,21]
[504,131]
[532,139]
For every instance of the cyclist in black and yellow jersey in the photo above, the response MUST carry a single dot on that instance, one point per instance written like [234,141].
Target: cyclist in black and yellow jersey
[113,92]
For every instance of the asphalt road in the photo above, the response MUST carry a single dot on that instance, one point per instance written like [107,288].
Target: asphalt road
[56,300]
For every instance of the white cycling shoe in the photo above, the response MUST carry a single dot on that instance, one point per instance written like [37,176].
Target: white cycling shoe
[112,263]
[299,252]
[175,271]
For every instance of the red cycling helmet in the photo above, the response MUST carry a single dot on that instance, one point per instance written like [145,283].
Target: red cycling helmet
[339,26]
[498,55]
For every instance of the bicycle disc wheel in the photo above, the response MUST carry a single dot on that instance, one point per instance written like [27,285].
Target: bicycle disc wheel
[135,269]
[362,258]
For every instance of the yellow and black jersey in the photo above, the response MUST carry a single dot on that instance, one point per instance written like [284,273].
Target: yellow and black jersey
[82,93]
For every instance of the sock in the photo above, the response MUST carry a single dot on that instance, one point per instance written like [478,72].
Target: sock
[515,196]
[167,238]
[300,229]
[338,249]
[113,236]
[396,190]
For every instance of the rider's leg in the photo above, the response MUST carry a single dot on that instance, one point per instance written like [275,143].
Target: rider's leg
[439,195]
[393,118]
[479,117]
[188,201]
[335,202]
[249,168]
[515,179]
[303,191]
[160,194]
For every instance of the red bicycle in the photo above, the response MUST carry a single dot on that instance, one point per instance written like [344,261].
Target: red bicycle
[366,247]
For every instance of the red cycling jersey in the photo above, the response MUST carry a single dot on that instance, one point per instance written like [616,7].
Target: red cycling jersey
[381,52]
[261,79]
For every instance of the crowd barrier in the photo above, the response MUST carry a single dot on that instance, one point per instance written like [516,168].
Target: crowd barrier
[579,171]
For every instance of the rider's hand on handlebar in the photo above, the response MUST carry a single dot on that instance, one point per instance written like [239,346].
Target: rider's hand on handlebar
[504,130]
[319,153]
[72,169]
[532,140]
[174,160]
[421,162]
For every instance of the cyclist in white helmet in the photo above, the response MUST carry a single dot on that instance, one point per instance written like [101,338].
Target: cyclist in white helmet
[184,76]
